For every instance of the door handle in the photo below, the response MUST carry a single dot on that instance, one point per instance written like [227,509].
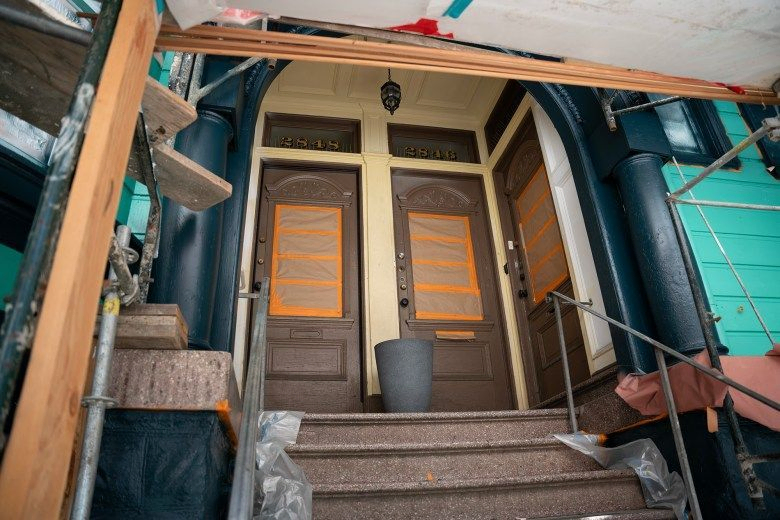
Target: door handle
[404,302]
[522,293]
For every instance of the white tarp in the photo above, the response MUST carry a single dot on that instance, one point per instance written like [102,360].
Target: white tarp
[735,42]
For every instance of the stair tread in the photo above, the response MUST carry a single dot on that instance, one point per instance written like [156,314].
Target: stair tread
[369,488]
[433,416]
[424,447]
[634,514]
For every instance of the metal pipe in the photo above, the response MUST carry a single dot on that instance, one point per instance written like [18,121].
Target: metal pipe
[565,364]
[673,353]
[44,25]
[723,204]
[767,125]
[146,165]
[97,402]
[645,106]
[21,314]
[117,256]
[243,491]
[208,89]
[679,443]
[705,319]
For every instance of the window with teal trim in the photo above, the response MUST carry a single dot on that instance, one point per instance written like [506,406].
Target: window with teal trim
[694,130]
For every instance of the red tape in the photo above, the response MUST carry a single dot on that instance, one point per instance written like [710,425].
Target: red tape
[733,88]
[424,26]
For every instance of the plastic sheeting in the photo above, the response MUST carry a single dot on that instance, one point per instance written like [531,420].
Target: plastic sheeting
[445,277]
[541,237]
[693,390]
[660,488]
[282,491]
[306,272]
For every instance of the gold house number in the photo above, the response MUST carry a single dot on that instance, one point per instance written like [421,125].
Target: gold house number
[303,143]
[427,153]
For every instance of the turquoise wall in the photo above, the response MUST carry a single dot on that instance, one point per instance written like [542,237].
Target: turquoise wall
[9,266]
[751,239]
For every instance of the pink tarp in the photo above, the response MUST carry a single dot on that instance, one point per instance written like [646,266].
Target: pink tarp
[694,390]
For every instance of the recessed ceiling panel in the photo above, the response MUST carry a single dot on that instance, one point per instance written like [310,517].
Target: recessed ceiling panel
[308,78]
[447,90]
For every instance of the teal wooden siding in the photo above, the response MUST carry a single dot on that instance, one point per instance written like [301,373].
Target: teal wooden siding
[9,266]
[751,238]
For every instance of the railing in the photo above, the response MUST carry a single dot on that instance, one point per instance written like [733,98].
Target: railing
[771,128]
[660,349]
[243,491]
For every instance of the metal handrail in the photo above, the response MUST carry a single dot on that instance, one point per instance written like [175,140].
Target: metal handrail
[243,491]
[660,349]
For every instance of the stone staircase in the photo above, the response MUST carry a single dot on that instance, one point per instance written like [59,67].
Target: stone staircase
[475,465]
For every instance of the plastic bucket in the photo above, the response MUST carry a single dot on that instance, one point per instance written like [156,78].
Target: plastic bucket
[405,373]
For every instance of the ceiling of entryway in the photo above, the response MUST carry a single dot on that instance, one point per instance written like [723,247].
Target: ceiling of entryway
[467,97]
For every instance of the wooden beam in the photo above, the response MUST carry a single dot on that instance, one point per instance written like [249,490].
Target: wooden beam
[35,466]
[230,41]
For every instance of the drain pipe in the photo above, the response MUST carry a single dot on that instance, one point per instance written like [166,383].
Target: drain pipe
[97,402]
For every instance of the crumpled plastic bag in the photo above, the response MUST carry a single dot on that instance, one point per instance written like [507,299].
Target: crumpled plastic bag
[281,489]
[660,488]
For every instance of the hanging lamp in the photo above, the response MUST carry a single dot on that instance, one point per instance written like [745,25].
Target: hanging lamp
[390,94]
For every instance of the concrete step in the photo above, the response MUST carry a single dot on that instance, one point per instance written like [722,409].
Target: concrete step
[563,494]
[442,462]
[432,428]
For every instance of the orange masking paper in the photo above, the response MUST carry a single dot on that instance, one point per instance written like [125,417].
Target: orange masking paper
[694,390]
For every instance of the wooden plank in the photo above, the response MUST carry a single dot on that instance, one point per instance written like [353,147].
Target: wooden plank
[165,380]
[150,326]
[37,75]
[249,43]
[165,113]
[187,182]
[35,466]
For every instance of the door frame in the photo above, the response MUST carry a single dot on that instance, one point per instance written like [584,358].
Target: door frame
[501,306]
[359,312]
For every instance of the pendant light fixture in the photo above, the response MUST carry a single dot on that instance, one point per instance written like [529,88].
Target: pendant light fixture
[390,94]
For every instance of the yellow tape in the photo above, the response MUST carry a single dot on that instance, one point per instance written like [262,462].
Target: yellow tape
[111,306]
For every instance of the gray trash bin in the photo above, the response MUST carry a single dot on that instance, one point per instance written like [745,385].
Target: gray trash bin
[405,373]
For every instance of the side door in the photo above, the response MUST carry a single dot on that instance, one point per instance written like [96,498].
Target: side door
[537,265]
[447,288]
[307,244]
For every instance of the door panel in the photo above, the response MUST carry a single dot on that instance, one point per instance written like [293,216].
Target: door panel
[537,265]
[445,270]
[307,243]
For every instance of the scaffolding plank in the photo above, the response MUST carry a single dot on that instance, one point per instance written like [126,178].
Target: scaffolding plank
[38,455]
[187,182]
[37,75]
[165,113]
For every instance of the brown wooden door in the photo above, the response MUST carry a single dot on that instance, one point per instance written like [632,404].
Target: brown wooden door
[307,243]
[537,265]
[444,269]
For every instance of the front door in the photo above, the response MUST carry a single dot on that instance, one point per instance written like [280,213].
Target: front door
[537,265]
[447,288]
[307,244]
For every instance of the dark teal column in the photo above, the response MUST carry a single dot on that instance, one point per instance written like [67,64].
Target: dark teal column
[188,264]
[643,190]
